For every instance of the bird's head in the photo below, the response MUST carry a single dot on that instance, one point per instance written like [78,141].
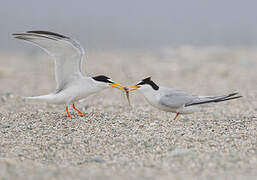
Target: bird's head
[104,82]
[145,84]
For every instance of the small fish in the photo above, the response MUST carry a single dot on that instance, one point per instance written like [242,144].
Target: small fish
[127,94]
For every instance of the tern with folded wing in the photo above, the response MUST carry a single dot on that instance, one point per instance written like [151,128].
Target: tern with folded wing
[172,100]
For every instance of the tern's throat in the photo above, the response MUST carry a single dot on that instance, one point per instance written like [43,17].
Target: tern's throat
[150,94]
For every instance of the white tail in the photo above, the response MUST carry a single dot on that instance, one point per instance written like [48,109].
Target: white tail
[47,97]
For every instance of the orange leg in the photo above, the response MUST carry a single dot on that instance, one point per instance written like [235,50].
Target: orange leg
[67,111]
[79,112]
[176,116]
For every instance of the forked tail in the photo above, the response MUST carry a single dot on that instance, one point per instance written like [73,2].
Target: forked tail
[46,97]
[215,99]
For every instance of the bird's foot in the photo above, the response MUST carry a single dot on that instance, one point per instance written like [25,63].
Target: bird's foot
[176,116]
[81,113]
[67,111]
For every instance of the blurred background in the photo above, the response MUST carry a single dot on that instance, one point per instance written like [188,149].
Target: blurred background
[205,47]
[144,24]
[184,44]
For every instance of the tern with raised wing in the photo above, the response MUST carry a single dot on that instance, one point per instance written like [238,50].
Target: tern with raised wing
[71,84]
[172,100]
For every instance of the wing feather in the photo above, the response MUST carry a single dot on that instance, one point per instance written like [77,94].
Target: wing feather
[67,53]
[176,99]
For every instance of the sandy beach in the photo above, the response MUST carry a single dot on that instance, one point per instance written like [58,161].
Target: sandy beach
[115,141]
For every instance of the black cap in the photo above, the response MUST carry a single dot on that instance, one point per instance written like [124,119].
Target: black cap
[149,82]
[102,78]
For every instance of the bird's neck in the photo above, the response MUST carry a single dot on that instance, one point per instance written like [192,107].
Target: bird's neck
[150,94]
[92,86]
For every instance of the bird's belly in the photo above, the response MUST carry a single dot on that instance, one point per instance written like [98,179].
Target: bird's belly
[157,105]
[56,99]
[67,96]
[187,110]
[75,95]
[81,96]
[181,110]
[165,108]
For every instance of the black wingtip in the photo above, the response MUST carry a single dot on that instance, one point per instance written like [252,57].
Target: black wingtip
[16,34]
[232,94]
[48,33]
[19,36]
[217,100]
[226,99]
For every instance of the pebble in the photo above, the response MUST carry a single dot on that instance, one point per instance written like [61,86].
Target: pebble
[116,142]
[97,159]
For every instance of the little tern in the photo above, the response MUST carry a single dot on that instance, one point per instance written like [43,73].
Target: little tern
[172,100]
[71,84]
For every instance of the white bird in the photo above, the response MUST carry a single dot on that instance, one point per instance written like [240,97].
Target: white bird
[172,100]
[68,54]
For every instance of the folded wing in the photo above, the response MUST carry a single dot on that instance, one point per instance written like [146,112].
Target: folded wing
[177,99]
[213,99]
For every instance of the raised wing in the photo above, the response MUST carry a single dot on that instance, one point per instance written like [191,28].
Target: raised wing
[67,53]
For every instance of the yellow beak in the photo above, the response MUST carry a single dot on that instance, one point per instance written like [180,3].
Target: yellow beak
[118,86]
[132,88]
[126,89]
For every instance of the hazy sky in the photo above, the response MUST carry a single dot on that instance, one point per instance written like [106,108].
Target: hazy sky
[134,23]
